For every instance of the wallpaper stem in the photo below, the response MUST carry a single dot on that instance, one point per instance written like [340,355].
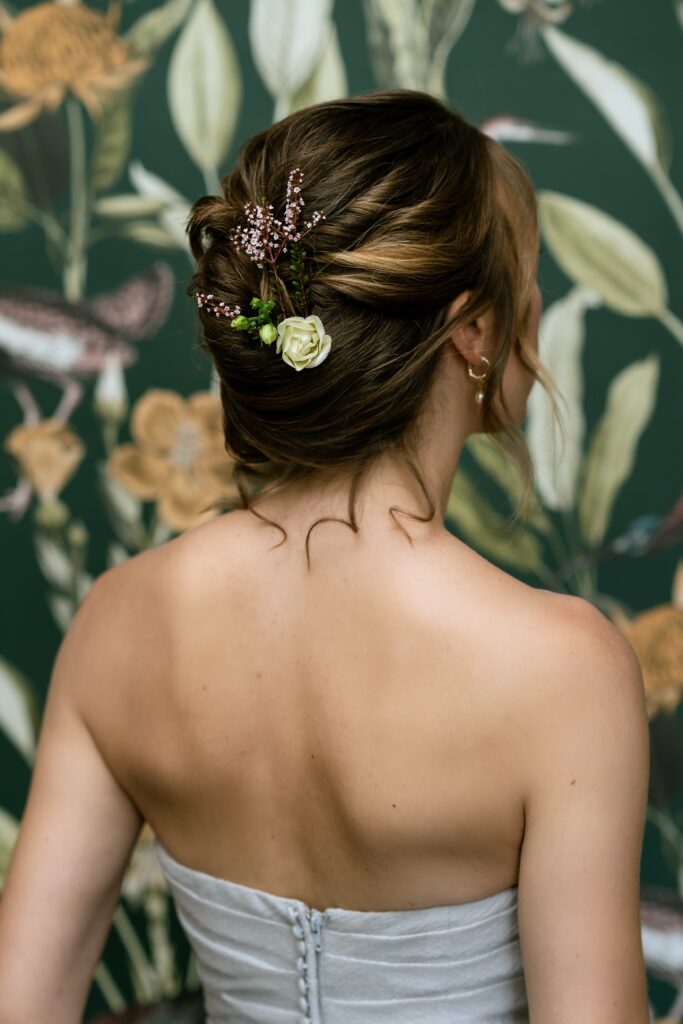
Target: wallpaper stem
[75,267]
[582,574]
[672,323]
[143,975]
[669,194]
[211,181]
[109,989]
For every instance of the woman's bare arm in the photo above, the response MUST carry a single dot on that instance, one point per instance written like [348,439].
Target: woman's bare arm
[76,834]
[587,765]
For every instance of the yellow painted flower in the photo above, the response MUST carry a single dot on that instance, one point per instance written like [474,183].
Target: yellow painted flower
[52,48]
[302,342]
[48,454]
[656,635]
[177,457]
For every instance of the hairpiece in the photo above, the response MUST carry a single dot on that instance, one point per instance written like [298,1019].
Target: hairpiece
[300,336]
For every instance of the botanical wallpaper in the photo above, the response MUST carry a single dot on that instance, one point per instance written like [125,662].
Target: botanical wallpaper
[112,120]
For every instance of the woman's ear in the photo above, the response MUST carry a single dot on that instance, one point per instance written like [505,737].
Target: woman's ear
[472,338]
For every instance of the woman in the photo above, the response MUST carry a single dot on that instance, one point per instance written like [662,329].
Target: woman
[389,782]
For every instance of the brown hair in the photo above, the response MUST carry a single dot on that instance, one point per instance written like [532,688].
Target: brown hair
[417,203]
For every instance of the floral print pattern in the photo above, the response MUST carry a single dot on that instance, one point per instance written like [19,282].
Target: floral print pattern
[83,194]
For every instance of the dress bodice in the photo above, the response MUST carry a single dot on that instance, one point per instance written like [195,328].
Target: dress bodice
[268,959]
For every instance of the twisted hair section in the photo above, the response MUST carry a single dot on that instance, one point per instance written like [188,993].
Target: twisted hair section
[420,206]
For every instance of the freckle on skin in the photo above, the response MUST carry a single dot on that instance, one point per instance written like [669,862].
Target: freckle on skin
[573,781]
[393,805]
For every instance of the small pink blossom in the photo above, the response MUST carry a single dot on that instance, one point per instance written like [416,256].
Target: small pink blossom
[264,237]
[219,309]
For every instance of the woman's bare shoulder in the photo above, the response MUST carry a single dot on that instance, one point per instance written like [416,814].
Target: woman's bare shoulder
[588,652]
[582,695]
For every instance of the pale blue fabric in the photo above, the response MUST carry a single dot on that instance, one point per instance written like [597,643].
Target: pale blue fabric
[267,959]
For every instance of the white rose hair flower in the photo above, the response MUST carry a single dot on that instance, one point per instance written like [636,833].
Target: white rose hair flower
[301,339]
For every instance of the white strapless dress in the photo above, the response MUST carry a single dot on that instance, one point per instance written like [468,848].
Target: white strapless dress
[267,959]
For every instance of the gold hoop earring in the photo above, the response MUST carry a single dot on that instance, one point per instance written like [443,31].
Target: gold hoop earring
[479,396]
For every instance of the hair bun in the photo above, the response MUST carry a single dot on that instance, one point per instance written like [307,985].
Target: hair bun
[418,204]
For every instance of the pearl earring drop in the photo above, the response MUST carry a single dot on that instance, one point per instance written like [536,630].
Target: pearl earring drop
[479,395]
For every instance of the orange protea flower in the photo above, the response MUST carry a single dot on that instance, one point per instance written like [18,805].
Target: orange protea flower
[56,47]
[177,456]
[48,453]
[656,635]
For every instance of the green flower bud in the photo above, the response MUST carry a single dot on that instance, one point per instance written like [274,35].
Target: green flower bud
[51,514]
[268,333]
[240,323]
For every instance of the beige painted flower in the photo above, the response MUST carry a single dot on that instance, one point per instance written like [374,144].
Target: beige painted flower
[48,453]
[657,638]
[57,47]
[177,457]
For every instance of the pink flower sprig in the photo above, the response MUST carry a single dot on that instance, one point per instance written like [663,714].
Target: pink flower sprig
[219,309]
[264,237]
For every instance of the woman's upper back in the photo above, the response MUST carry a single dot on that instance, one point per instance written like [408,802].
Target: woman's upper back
[350,736]
[390,733]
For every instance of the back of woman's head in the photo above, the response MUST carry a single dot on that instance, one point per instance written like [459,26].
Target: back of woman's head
[419,207]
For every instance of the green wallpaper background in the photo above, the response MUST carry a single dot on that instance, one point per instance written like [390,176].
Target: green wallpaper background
[91,205]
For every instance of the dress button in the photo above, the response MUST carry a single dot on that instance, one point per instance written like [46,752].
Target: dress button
[298,931]
[302,947]
[303,1003]
[303,985]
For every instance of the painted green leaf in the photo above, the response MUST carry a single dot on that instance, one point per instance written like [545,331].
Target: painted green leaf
[399,44]
[54,562]
[287,39]
[13,209]
[128,205]
[630,403]
[63,609]
[173,217]
[116,554]
[603,254]
[328,80]
[504,472]
[630,106]
[487,531]
[446,21]
[152,29]
[18,710]
[9,830]
[557,450]
[124,510]
[147,232]
[204,86]
[113,139]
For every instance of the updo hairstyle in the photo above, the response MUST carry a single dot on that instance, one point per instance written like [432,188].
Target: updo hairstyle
[418,206]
